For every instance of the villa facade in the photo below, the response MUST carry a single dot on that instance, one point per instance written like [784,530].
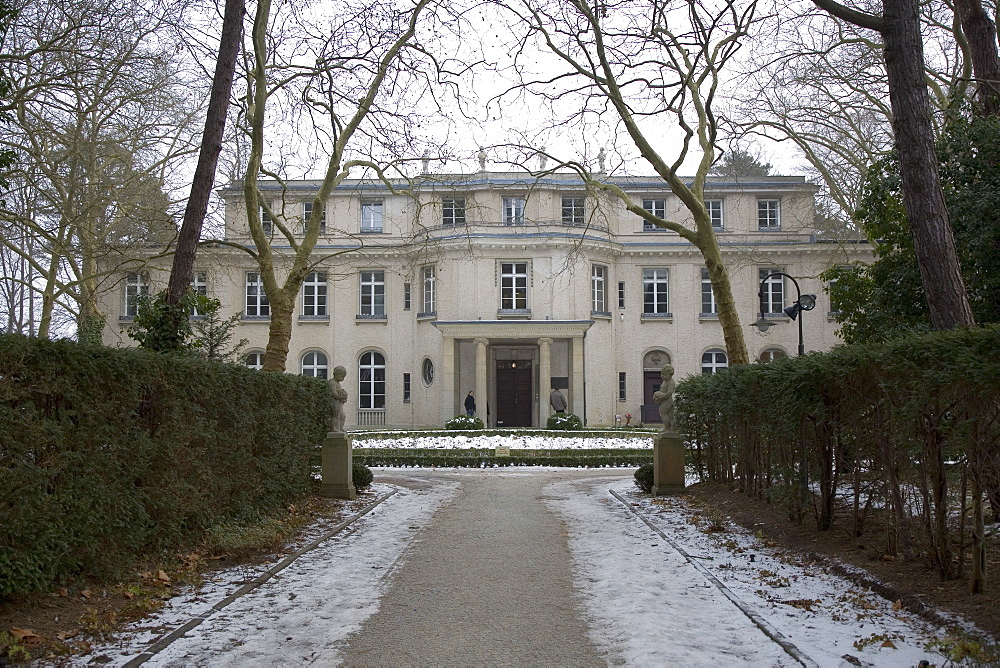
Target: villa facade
[508,285]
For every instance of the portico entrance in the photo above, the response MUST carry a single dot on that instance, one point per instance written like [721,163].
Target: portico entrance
[514,395]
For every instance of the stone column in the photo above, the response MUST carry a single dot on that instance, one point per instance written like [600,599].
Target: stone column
[446,377]
[482,375]
[338,477]
[544,379]
[576,378]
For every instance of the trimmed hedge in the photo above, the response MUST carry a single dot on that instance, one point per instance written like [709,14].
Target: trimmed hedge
[486,457]
[911,426]
[109,455]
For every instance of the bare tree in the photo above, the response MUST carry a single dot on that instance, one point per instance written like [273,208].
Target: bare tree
[655,65]
[351,90]
[96,126]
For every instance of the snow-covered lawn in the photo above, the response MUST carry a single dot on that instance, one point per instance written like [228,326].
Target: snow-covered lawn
[512,442]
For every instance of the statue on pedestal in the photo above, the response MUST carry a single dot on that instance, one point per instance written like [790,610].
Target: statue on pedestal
[339,396]
[665,398]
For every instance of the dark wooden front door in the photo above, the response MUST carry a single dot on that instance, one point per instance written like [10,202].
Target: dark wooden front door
[651,382]
[514,395]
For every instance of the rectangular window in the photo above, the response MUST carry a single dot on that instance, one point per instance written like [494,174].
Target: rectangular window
[621,294]
[708,306]
[136,288]
[621,386]
[314,295]
[572,210]
[429,280]
[373,294]
[199,286]
[772,292]
[768,214]
[513,286]
[453,211]
[714,207]
[265,220]
[513,210]
[655,299]
[406,388]
[657,207]
[371,215]
[406,296]
[598,281]
[307,214]
[257,305]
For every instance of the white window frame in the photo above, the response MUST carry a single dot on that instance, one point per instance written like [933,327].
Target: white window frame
[656,206]
[768,214]
[136,289]
[314,295]
[453,211]
[771,354]
[514,285]
[599,288]
[199,286]
[372,293]
[772,291]
[708,304]
[655,284]
[371,380]
[715,213]
[428,276]
[257,305]
[713,360]
[573,210]
[513,210]
[315,364]
[257,357]
[307,211]
[266,223]
[372,215]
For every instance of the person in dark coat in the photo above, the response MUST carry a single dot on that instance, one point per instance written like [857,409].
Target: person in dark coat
[557,401]
[470,405]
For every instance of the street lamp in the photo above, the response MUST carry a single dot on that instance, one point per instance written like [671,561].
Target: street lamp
[802,303]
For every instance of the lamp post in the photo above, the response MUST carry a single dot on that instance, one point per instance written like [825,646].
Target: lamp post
[802,303]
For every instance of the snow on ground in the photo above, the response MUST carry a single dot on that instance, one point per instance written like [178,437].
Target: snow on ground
[645,598]
[512,442]
[643,601]
[337,586]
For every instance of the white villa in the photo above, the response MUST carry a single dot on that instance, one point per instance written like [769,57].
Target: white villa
[508,285]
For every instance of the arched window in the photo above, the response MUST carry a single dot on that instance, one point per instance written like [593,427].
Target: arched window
[713,360]
[371,380]
[254,360]
[771,354]
[314,364]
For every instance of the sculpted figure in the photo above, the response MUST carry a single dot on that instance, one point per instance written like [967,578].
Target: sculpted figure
[338,399]
[665,398]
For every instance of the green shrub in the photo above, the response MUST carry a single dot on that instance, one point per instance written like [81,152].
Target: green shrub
[644,478]
[361,475]
[464,422]
[109,456]
[564,422]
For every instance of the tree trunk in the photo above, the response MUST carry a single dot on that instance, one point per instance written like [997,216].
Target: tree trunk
[729,319]
[211,146]
[934,243]
[279,333]
[981,34]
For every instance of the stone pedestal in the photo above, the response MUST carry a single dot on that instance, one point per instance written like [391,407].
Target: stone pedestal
[338,481]
[668,464]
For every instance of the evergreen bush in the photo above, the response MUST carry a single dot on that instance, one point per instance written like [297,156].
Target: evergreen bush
[464,422]
[644,478]
[564,422]
[361,475]
[109,455]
